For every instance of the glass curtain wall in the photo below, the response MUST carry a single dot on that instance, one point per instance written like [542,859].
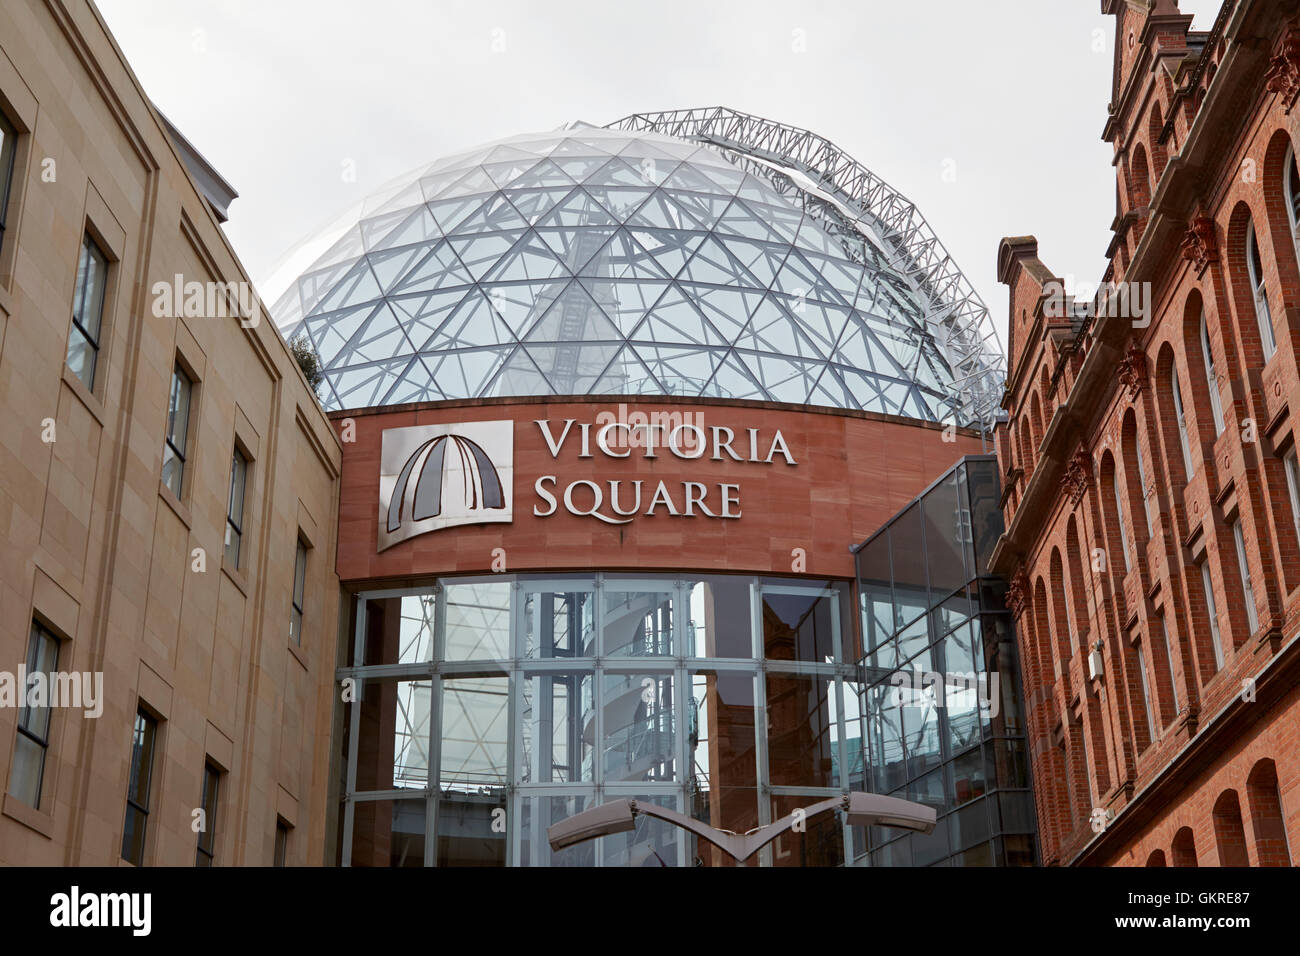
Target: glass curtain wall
[940,687]
[483,710]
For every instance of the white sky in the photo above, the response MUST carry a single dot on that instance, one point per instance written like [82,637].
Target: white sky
[1010,95]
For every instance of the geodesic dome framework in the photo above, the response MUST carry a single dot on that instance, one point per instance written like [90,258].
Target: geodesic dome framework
[635,261]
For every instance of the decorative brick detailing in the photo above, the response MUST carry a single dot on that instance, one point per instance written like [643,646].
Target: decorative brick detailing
[1017,597]
[1283,74]
[1078,475]
[1133,370]
[1199,245]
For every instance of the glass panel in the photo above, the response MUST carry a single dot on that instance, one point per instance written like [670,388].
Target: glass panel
[81,358]
[640,734]
[400,630]
[142,741]
[389,832]
[911,591]
[92,280]
[720,619]
[539,813]
[473,829]
[638,623]
[475,732]
[821,843]
[478,621]
[723,751]
[208,835]
[133,833]
[801,741]
[802,623]
[969,780]
[28,767]
[947,535]
[560,623]
[42,658]
[970,824]
[178,409]
[559,727]
[653,842]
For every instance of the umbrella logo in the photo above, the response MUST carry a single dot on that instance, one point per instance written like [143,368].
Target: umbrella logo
[448,475]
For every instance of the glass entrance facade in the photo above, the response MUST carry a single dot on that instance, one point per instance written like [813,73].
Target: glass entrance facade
[942,706]
[487,709]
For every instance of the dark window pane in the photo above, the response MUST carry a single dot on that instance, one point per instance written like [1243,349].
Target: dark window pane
[802,623]
[719,624]
[472,829]
[801,746]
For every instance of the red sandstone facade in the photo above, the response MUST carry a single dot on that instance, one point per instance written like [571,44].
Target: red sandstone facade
[853,471]
[1126,490]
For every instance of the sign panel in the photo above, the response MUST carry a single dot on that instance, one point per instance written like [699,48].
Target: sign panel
[442,476]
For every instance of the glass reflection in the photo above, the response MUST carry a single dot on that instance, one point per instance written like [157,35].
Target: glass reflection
[560,623]
[559,728]
[478,621]
[640,735]
[638,623]
[719,624]
[475,731]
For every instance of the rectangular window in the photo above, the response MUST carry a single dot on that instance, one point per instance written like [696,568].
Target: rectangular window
[1169,660]
[208,834]
[1293,487]
[1146,692]
[1142,490]
[299,588]
[33,742]
[281,842]
[1119,519]
[1212,609]
[178,423]
[1182,425]
[1247,589]
[87,312]
[235,507]
[8,151]
[1255,267]
[144,737]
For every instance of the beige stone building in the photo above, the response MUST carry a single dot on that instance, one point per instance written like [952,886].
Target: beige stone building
[168,485]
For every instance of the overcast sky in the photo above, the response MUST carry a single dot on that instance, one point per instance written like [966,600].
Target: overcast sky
[987,115]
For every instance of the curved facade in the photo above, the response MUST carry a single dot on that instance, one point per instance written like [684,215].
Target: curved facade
[627,261]
[616,406]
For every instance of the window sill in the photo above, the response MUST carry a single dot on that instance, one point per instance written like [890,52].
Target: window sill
[176,505]
[6,299]
[299,655]
[236,576]
[84,395]
[42,823]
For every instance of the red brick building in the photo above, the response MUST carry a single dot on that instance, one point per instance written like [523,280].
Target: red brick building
[1149,464]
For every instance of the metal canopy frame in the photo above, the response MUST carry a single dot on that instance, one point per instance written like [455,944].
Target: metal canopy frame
[854,204]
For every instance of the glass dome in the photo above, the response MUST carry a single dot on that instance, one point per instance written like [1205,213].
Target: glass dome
[600,261]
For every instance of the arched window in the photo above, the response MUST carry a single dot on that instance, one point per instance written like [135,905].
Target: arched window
[1212,613]
[1293,196]
[1157,858]
[1177,390]
[1229,834]
[1255,272]
[1142,486]
[1266,815]
[1117,488]
[1212,379]
[1184,847]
